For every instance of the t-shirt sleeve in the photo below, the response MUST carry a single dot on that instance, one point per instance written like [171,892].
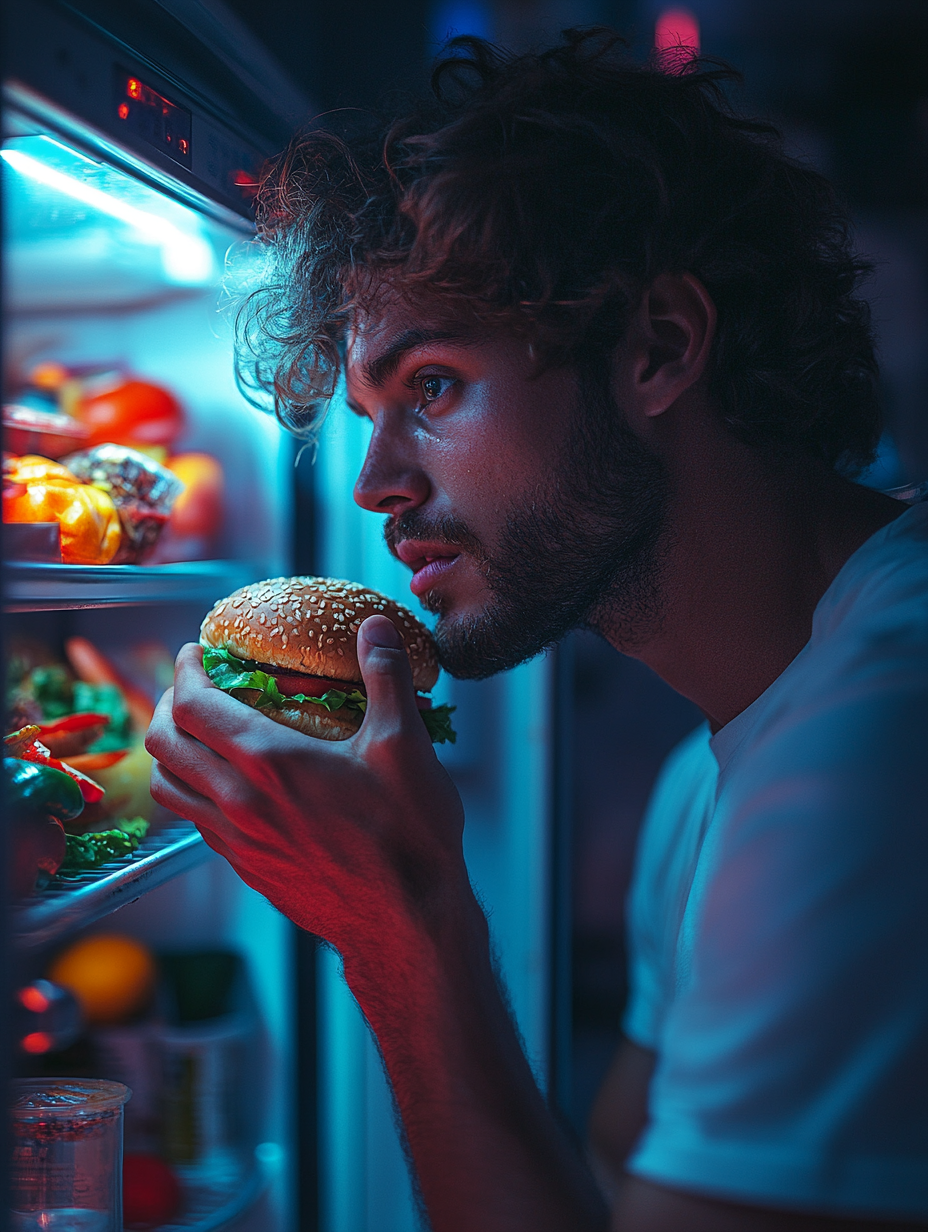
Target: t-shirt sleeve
[794,1055]
[668,845]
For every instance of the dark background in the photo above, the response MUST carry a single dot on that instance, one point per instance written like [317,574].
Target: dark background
[846,81]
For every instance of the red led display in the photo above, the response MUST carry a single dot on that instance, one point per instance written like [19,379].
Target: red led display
[147,113]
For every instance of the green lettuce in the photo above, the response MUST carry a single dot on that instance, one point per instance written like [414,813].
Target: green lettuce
[438,724]
[229,673]
[88,851]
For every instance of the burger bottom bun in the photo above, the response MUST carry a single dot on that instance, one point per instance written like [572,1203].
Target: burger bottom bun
[307,718]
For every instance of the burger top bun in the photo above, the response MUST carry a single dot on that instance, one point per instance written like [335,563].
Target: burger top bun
[310,625]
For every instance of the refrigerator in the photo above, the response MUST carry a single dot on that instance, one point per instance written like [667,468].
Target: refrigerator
[132,139]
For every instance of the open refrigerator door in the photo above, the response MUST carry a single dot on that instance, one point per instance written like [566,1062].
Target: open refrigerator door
[139,487]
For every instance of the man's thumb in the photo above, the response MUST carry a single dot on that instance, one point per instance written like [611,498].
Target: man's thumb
[391,697]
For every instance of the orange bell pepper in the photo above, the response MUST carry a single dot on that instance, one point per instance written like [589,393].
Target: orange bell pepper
[32,468]
[90,528]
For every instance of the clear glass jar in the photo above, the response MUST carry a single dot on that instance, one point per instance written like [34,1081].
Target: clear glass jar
[66,1174]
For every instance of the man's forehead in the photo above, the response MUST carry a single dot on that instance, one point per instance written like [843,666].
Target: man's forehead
[390,322]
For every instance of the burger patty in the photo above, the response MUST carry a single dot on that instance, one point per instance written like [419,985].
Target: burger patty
[292,683]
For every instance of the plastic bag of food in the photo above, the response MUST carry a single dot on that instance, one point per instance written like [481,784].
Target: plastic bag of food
[142,490]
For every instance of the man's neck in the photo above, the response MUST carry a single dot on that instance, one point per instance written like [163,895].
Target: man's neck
[751,548]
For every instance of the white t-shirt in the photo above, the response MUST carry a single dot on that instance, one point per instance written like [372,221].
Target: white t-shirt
[778,918]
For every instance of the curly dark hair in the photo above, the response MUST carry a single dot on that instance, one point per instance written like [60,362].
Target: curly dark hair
[543,192]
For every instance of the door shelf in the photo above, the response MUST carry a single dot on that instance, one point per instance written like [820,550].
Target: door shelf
[34,587]
[69,903]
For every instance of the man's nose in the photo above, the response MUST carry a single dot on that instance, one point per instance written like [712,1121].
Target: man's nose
[391,480]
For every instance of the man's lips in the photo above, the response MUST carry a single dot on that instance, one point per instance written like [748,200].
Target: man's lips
[428,561]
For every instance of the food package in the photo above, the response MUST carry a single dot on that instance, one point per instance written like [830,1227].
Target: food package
[142,490]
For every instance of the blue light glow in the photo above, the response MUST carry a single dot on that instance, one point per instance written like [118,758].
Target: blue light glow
[453,17]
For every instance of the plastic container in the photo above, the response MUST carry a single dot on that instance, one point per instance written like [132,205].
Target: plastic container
[66,1173]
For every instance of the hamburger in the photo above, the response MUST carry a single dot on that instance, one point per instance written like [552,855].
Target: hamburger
[289,647]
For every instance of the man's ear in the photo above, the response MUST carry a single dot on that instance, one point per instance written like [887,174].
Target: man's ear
[667,345]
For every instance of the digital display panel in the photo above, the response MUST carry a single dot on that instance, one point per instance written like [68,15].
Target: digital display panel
[149,115]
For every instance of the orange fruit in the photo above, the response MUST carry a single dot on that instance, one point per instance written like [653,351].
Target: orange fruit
[198,509]
[111,975]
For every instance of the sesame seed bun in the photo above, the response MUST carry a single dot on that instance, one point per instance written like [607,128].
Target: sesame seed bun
[310,625]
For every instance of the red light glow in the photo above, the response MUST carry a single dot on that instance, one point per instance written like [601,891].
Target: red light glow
[37,1041]
[676,35]
[134,88]
[33,999]
[123,111]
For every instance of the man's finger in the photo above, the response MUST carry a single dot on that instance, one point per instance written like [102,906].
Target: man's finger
[217,830]
[201,768]
[179,797]
[391,695]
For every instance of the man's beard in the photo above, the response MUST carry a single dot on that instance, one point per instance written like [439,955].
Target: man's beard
[583,551]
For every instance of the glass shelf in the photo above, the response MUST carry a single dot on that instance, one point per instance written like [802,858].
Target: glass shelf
[69,903]
[34,587]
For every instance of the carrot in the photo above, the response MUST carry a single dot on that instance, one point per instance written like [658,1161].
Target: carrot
[91,665]
[74,723]
[95,761]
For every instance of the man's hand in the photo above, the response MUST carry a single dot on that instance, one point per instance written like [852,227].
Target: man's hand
[350,839]
[359,841]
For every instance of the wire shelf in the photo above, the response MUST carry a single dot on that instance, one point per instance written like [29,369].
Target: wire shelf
[69,903]
[31,586]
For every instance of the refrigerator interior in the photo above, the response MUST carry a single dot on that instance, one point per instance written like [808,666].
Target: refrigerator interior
[101,268]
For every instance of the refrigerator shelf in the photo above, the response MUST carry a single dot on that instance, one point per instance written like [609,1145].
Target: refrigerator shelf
[69,903]
[214,1202]
[34,587]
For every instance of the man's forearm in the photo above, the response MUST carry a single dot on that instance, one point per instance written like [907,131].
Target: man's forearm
[487,1152]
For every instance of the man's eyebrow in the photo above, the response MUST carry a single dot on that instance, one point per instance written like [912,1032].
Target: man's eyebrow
[379,370]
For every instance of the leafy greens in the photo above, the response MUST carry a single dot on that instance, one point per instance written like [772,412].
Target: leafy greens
[230,674]
[89,851]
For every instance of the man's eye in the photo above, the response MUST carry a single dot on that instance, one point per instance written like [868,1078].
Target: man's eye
[432,387]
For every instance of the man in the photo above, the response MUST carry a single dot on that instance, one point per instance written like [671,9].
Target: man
[607,338]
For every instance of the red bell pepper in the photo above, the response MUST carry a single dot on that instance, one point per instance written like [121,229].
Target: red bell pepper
[37,752]
[74,722]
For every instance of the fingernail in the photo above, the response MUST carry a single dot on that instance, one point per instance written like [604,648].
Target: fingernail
[381,631]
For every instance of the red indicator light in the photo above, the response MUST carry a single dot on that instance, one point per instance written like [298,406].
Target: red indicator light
[37,1041]
[182,145]
[134,88]
[33,999]
[123,110]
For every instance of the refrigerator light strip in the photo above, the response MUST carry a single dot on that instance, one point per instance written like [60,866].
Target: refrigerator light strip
[187,258]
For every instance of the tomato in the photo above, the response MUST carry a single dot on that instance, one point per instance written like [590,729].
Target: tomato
[198,509]
[150,1192]
[134,413]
